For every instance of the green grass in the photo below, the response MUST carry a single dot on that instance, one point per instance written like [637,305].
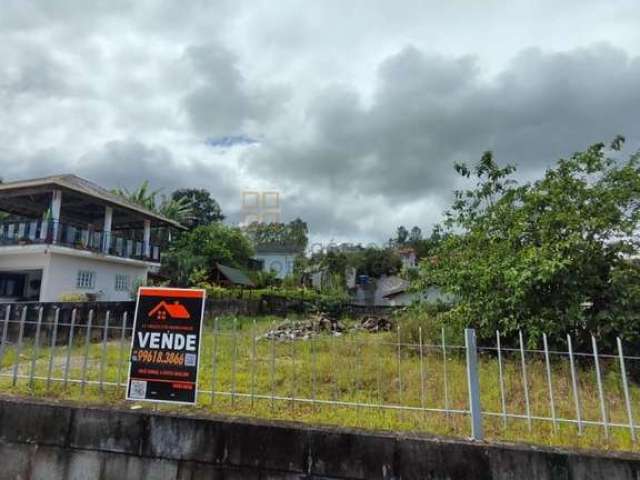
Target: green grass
[359,368]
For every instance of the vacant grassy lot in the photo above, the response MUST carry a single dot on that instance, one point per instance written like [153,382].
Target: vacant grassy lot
[357,379]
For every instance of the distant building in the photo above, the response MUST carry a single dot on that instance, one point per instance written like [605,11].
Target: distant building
[67,236]
[277,259]
[405,296]
[408,257]
[374,290]
[392,290]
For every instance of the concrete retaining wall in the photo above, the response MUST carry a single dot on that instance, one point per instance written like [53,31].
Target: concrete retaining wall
[48,441]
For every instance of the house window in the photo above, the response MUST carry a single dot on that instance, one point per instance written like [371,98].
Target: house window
[86,280]
[122,282]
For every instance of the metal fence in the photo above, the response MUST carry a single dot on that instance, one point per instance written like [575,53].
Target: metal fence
[245,366]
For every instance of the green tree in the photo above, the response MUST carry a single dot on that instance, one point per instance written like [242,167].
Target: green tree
[204,208]
[415,235]
[203,247]
[549,256]
[426,247]
[293,235]
[376,262]
[402,234]
[180,210]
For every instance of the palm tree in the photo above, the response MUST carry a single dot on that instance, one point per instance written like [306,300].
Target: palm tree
[179,210]
[142,195]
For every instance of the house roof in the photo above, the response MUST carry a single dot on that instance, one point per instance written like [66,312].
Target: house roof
[395,292]
[175,310]
[397,289]
[235,275]
[85,187]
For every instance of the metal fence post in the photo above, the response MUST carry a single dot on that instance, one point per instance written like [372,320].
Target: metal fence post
[5,329]
[16,365]
[474,384]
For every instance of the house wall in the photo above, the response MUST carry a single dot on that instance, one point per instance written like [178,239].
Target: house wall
[60,266]
[29,259]
[63,270]
[281,263]
[36,262]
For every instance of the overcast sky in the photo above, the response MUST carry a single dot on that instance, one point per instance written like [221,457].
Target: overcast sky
[353,110]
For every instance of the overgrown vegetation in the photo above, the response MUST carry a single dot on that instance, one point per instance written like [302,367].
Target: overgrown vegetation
[553,256]
[193,255]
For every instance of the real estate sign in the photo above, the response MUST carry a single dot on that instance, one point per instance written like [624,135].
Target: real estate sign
[165,347]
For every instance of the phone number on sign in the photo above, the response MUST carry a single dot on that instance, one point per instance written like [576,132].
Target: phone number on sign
[165,358]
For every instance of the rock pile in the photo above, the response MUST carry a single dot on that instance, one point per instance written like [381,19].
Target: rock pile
[375,324]
[320,323]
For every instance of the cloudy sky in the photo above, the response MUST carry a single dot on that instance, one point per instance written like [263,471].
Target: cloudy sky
[353,110]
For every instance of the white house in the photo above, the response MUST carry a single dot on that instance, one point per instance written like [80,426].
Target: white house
[408,257]
[67,236]
[277,259]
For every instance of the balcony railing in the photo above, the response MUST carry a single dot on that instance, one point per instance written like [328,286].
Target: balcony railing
[80,238]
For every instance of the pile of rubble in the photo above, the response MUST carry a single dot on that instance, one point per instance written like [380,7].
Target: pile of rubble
[304,329]
[321,323]
[375,324]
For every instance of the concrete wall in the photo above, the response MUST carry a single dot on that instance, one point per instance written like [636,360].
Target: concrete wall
[57,442]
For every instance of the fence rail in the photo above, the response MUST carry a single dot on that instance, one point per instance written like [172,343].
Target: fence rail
[119,243]
[371,379]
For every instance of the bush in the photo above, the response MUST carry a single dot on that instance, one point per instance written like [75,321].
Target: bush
[431,318]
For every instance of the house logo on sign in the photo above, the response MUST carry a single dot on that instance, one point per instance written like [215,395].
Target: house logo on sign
[173,310]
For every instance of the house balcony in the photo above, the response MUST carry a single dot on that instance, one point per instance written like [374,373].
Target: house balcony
[118,243]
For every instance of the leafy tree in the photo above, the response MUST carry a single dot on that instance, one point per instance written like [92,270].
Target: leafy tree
[426,247]
[549,256]
[415,235]
[292,235]
[401,235]
[336,262]
[180,265]
[205,209]
[376,262]
[203,247]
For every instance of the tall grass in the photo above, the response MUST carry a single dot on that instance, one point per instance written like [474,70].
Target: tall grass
[354,380]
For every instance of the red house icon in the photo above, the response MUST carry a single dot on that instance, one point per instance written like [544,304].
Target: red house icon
[173,310]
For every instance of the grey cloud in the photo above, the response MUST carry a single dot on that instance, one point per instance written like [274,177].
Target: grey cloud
[430,111]
[222,101]
[127,163]
[36,72]
[39,163]
[357,139]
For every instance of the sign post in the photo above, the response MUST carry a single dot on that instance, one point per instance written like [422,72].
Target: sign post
[165,345]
